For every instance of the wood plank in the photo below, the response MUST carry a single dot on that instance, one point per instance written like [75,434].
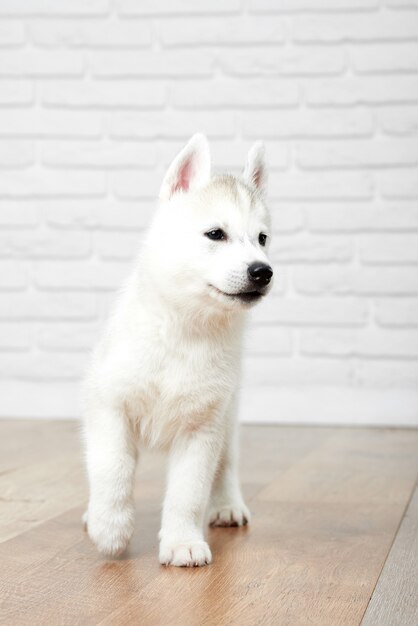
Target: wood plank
[32,494]
[320,534]
[395,599]
[54,575]
[293,566]
[23,442]
[326,506]
[41,473]
[374,465]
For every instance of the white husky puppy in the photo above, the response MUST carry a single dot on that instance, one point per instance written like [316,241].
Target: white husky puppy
[166,371]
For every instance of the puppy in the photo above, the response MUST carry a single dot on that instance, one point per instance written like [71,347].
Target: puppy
[166,370]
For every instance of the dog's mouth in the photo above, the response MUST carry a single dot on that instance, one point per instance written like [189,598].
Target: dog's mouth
[246,297]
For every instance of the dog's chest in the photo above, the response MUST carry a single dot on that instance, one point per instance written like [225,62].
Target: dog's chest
[183,386]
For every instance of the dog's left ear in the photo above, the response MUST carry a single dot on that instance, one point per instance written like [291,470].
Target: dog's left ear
[189,170]
[255,172]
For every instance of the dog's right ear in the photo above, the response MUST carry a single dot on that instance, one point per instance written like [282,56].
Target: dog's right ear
[189,170]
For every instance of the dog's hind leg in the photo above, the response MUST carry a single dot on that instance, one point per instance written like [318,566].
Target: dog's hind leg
[227,506]
[111,460]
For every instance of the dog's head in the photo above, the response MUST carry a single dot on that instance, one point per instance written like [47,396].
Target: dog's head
[209,239]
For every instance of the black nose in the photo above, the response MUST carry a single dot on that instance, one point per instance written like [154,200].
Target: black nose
[260,273]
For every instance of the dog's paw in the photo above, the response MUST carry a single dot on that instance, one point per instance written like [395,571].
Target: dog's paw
[234,514]
[111,531]
[187,554]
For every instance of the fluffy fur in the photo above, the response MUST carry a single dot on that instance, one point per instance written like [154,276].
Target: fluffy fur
[166,370]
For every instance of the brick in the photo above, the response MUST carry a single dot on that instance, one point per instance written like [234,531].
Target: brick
[286,218]
[30,183]
[268,340]
[401,4]
[103,95]
[18,214]
[47,306]
[98,97]
[400,120]
[399,184]
[372,343]
[234,93]
[341,280]
[226,32]
[68,337]
[79,275]
[358,217]
[302,248]
[16,154]
[16,93]
[357,154]
[130,185]
[381,58]
[91,34]
[35,8]
[349,27]
[175,7]
[313,312]
[44,243]
[308,124]
[44,124]
[322,185]
[105,301]
[79,213]
[311,6]
[153,64]
[272,370]
[293,61]
[389,374]
[389,249]
[131,216]
[37,63]
[11,33]
[52,366]
[15,336]
[180,125]
[117,246]
[227,155]
[107,214]
[14,275]
[96,155]
[397,216]
[397,312]
[280,284]
[361,90]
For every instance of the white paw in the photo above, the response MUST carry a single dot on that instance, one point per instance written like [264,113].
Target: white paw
[234,514]
[110,531]
[187,554]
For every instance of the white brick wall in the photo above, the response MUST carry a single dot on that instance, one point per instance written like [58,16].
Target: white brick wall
[96,96]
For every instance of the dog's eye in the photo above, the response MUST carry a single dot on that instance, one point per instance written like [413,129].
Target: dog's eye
[216,235]
[262,238]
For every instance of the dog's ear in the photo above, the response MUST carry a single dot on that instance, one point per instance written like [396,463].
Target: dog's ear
[255,172]
[189,170]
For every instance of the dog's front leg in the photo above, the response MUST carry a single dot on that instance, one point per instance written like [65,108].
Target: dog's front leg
[227,506]
[111,461]
[192,466]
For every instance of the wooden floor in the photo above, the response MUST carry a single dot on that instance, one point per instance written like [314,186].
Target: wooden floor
[334,538]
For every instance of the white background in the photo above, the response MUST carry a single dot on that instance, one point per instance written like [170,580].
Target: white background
[97,96]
